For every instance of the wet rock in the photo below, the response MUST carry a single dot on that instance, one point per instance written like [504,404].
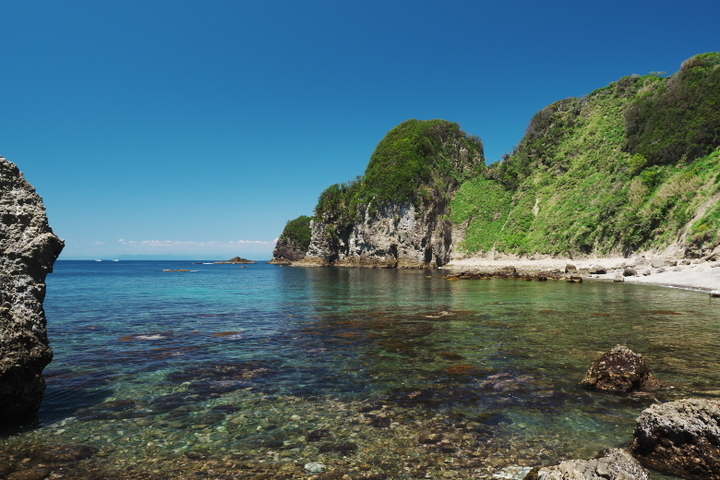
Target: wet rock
[681,438]
[574,279]
[513,472]
[316,435]
[315,467]
[30,474]
[66,454]
[28,250]
[614,464]
[344,448]
[381,422]
[620,370]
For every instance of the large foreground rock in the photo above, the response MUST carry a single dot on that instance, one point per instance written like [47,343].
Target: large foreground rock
[614,464]
[681,438]
[620,370]
[28,250]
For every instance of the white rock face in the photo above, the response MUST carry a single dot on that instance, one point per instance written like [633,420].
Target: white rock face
[396,236]
[28,250]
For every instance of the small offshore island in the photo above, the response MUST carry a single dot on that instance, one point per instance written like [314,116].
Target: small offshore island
[236,260]
[623,177]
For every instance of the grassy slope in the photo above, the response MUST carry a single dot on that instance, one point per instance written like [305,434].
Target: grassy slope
[579,183]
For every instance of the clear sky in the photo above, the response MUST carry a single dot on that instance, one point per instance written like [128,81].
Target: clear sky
[174,127]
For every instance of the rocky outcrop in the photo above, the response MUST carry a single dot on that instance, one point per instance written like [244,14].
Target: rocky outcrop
[398,214]
[235,260]
[614,464]
[28,250]
[681,438]
[287,251]
[293,243]
[395,236]
[619,371]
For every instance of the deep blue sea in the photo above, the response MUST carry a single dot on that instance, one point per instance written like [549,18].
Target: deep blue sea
[221,371]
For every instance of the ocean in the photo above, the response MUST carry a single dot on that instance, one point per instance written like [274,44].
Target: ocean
[177,369]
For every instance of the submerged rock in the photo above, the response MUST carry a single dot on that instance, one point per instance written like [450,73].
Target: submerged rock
[620,370]
[28,250]
[614,464]
[681,438]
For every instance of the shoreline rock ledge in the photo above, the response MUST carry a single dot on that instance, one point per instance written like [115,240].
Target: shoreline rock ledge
[28,250]
[680,438]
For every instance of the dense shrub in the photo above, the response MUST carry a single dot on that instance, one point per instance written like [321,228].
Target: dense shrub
[298,232]
[415,153]
[680,120]
[416,161]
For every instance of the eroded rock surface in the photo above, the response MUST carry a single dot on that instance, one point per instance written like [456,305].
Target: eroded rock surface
[28,250]
[620,370]
[614,464]
[681,438]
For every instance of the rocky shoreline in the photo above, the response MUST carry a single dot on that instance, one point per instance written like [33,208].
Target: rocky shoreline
[691,274]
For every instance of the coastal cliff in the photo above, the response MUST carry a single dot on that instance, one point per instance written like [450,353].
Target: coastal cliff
[396,215]
[28,250]
[293,243]
[632,168]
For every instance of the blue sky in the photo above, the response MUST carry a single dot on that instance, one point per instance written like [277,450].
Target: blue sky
[172,127]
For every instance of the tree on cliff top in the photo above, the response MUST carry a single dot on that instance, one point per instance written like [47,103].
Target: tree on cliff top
[298,232]
[418,153]
[416,162]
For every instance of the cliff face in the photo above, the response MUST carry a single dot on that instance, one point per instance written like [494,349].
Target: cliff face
[28,250]
[294,241]
[396,236]
[396,215]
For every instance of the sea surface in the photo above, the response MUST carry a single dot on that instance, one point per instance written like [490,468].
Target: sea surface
[176,369]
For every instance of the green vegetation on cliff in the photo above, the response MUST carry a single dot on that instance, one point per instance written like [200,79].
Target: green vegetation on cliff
[629,167]
[417,162]
[297,231]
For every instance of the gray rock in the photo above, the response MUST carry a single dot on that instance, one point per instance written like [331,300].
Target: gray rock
[315,467]
[681,438]
[614,464]
[620,370]
[597,270]
[572,269]
[28,250]
[629,272]
[618,278]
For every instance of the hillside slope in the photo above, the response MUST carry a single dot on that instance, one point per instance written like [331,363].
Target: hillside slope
[630,167]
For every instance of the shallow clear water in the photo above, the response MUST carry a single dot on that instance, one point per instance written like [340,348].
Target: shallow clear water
[226,372]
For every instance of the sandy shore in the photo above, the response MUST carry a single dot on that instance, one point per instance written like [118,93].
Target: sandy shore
[688,274]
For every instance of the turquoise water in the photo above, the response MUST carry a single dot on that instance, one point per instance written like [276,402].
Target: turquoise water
[228,372]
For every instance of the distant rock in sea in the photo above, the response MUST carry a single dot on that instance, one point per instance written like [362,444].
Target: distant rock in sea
[237,260]
[28,250]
